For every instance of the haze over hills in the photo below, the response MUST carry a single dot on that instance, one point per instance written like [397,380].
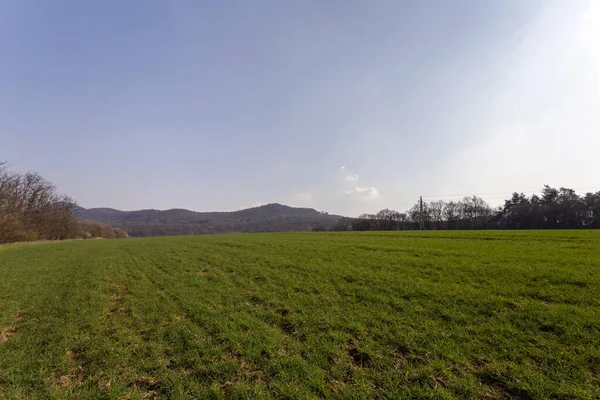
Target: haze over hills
[268,218]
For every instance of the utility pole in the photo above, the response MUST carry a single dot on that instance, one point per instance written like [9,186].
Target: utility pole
[421,210]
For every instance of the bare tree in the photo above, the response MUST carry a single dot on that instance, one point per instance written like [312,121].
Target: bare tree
[481,212]
[402,219]
[31,208]
[387,219]
[451,214]
[437,213]
[414,216]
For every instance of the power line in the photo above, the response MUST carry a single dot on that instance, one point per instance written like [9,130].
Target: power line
[460,197]
[413,200]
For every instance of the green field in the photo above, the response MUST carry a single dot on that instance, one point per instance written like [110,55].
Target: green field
[304,315]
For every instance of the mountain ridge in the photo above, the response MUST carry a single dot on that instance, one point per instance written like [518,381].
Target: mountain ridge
[273,217]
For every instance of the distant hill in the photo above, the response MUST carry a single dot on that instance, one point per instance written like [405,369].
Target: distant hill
[268,218]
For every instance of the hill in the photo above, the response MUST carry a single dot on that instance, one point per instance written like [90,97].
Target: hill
[268,218]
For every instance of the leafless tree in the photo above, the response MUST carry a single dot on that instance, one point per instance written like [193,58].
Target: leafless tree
[451,214]
[437,213]
[31,208]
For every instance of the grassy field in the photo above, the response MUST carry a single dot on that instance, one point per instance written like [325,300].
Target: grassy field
[304,315]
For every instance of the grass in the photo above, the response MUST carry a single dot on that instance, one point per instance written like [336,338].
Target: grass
[438,315]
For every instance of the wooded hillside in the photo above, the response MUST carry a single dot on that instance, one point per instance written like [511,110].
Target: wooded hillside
[267,218]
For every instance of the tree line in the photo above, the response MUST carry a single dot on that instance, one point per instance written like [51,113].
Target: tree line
[553,209]
[31,208]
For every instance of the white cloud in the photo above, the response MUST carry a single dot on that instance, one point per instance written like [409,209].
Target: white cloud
[342,168]
[304,196]
[363,193]
[353,177]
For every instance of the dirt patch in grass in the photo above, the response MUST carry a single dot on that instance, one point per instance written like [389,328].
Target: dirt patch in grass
[250,373]
[438,381]
[401,354]
[147,387]
[360,357]
[104,384]
[73,377]
[122,293]
[7,332]
[282,352]
[146,335]
[146,383]
[232,355]
[497,388]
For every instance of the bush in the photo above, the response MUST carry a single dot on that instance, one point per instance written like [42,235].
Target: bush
[93,229]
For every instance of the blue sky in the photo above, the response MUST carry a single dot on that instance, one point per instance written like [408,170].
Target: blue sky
[345,106]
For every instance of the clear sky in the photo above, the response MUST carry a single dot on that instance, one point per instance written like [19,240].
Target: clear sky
[345,106]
